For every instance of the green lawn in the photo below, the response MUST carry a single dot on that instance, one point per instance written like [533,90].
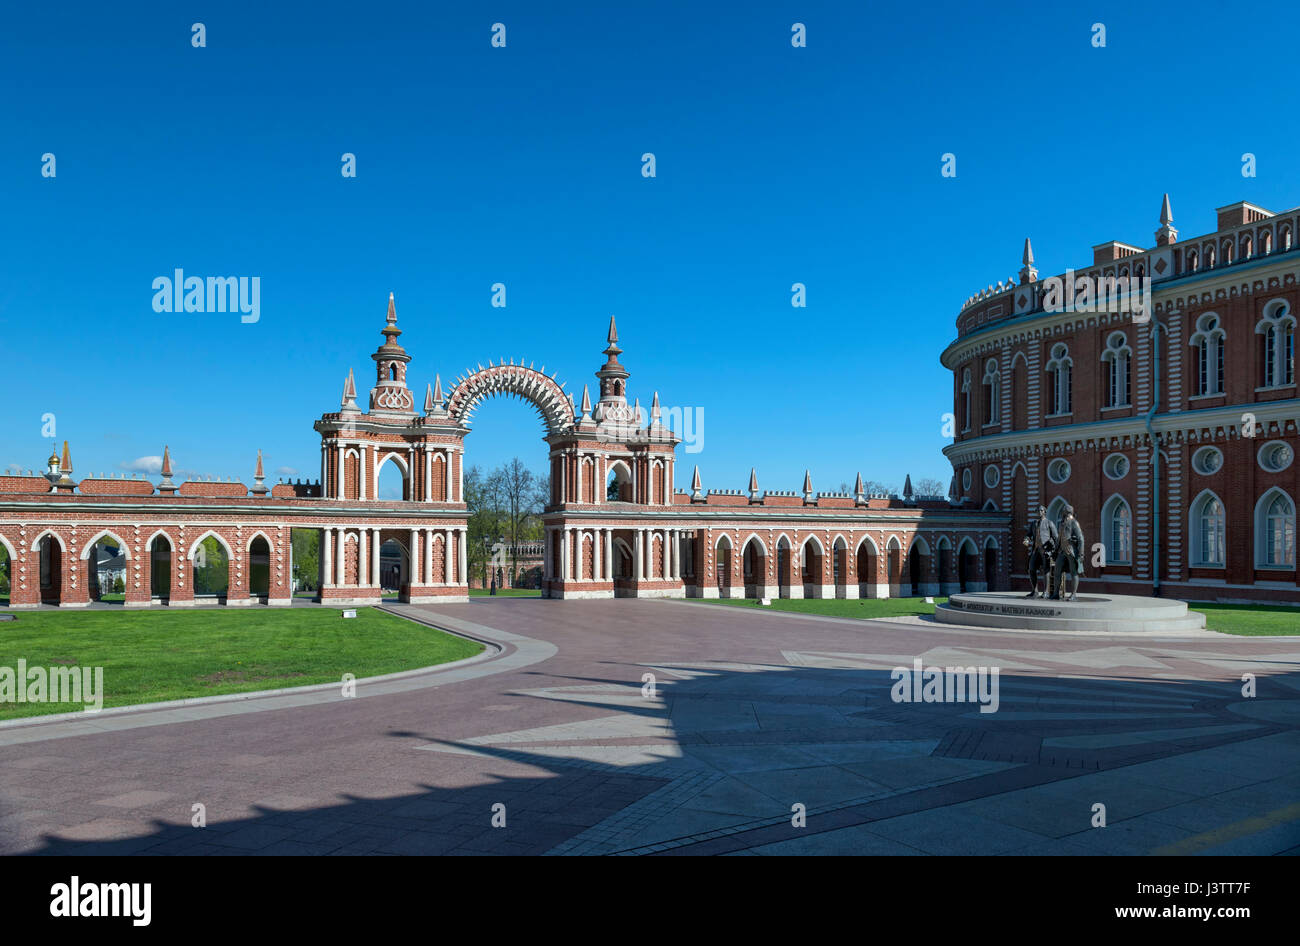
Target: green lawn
[1249,620]
[508,592]
[835,607]
[170,654]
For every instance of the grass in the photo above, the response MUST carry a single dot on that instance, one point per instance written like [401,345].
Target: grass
[171,654]
[508,592]
[863,608]
[1258,620]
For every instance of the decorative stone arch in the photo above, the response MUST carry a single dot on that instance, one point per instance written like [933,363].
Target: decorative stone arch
[723,565]
[9,551]
[868,541]
[894,558]
[526,383]
[812,568]
[918,542]
[148,545]
[36,542]
[126,549]
[194,546]
[1260,523]
[621,471]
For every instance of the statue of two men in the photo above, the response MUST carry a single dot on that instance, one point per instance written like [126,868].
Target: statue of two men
[1056,554]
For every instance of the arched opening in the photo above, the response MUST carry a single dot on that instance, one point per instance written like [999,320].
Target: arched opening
[755,565]
[259,568]
[918,567]
[106,570]
[391,480]
[783,567]
[944,565]
[868,584]
[894,565]
[840,566]
[622,560]
[966,565]
[6,574]
[50,551]
[160,568]
[722,560]
[618,485]
[394,568]
[1019,393]
[811,567]
[990,565]
[304,553]
[211,569]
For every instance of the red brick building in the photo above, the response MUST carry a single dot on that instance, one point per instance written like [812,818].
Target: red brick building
[615,526]
[1173,438]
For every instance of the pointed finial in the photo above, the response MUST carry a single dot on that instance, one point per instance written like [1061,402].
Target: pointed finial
[258,474]
[66,465]
[392,310]
[1028,256]
[753,480]
[437,388]
[613,332]
[655,413]
[907,488]
[695,483]
[1166,212]
[1028,273]
[428,399]
[857,487]
[807,485]
[1166,235]
[167,462]
[586,402]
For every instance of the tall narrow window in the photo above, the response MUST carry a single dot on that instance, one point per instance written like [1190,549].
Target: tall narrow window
[1058,371]
[1275,530]
[1207,526]
[1208,345]
[1277,345]
[992,409]
[1116,359]
[1118,525]
[965,399]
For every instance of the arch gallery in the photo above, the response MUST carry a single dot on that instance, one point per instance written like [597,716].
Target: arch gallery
[615,525]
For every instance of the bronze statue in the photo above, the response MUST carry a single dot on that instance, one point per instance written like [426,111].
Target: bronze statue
[1041,539]
[1069,559]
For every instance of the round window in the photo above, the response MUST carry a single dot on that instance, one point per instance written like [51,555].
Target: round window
[1276,456]
[1116,466]
[1207,460]
[992,476]
[965,479]
[1058,471]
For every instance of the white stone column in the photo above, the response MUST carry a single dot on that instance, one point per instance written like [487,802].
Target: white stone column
[361,473]
[361,559]
[638,554]
[460,479]
[428,475]
[446,475]
[446,557]
[596,572]
[564,554]
[461,558]
[413,562]
[428,555]
[327,556]
[609,555]
[374,557]
[341,562]
[564,478]
[338,473]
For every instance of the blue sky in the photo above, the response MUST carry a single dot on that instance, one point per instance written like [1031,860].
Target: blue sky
[521,165]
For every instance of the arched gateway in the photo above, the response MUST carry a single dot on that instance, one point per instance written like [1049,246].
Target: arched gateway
[615,525]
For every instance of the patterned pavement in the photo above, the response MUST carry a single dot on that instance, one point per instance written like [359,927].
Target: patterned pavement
[754,717]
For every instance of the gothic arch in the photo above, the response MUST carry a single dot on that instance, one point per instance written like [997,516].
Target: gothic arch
[36,543]
[194,546]
[528,384]
[109,533]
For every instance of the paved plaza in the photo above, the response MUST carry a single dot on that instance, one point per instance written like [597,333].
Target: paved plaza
[754,717]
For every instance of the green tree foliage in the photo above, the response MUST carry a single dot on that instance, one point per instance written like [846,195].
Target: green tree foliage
[306,558]
[211,568]
[505,506]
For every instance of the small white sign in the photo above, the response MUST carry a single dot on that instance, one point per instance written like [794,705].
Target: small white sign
[350,613]
[929,600]
[766,602]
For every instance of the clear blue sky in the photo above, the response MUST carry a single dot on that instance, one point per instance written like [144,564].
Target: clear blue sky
[521,165]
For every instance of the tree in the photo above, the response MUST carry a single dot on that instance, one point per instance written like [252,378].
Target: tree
[929,486]
[306,557]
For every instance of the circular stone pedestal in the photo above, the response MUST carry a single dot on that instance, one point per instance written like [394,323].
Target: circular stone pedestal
[1109,614]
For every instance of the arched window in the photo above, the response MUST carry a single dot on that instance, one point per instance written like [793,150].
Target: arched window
[1275,530]
[1058,371]
[1117,526]
[1208,545]
[1192,261]
[965,399]
[1247,247]
[1227,252]
[1208,345]
[1266,243]
[1209,256]
[1284,239]
[1116,360]
[1277,345]
[992,409]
